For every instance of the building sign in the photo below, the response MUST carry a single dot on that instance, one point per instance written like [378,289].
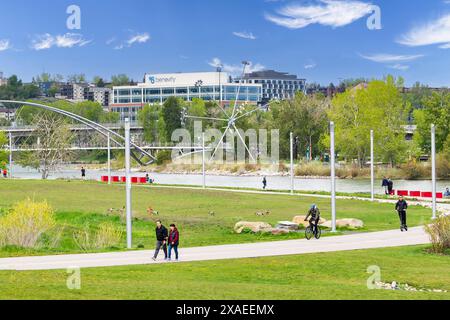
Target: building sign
[185,79]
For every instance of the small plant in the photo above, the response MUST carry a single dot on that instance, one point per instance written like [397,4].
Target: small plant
[107,236]
[439,232]
[26,223]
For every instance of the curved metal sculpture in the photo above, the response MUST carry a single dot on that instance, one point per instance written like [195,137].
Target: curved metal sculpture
[137,152]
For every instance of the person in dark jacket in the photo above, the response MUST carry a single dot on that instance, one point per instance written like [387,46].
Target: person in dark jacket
[264,183]
[401,206]
[174,241]
[161,240]
[314,213]
[385,185]
[390,186]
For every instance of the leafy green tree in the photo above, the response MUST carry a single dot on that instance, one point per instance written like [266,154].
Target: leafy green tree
[98,81]
[120,80]
[378,107]
[15,90]
[436,110]
[148,118]
[3,154]
[306,117]
[172,116]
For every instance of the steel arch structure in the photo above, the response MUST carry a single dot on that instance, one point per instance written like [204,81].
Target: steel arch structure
[138,153]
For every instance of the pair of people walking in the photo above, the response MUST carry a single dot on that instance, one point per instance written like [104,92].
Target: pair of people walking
[388,186]
[166,238]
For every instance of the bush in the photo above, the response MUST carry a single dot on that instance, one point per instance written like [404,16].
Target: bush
[163,157]
[439,232]
[106,236]
[443,166]
[26,223]
[415,170]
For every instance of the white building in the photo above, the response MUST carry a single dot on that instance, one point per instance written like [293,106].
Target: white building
[157,88]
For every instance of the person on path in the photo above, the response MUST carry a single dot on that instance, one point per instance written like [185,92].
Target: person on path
[83,173]
[385,185]
[264,183]
[390,187]
[174,241]
[401,206]
[161,240]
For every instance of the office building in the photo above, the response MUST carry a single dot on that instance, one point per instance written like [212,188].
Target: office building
[275,85]
[156,89]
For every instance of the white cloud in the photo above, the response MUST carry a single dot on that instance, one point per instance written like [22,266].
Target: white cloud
[235,69]
[310,66]
[390,58]
[68,40]
[245,35]
[137,38]
[5,45]
[434,32]
[333,13]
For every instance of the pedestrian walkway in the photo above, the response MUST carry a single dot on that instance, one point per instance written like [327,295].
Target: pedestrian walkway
[383,239]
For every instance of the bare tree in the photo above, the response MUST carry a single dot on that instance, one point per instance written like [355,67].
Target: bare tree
[53,139]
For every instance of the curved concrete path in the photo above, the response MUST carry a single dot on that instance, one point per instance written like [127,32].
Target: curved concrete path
[383,239]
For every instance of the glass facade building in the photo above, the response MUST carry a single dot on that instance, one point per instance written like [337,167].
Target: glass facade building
[275,85]
[212,86]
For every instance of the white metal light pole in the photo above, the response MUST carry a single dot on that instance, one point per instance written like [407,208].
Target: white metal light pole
[10,155]
[203,161]
[292,162]
[433,167]
[109,159]
[333,178]
[372,164]
[128,183]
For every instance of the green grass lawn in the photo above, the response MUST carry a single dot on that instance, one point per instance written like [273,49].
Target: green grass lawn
[79,203]
[340,275]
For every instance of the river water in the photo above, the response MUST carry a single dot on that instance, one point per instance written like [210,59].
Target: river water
[274,182]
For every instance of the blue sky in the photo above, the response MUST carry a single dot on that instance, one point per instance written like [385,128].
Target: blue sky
[320,40]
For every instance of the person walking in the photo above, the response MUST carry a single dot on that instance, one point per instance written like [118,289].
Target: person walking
[264,183]
[5,173]
[401,206]
[385,185]
[161,240]
[83,173]
[390,187]
[174,241]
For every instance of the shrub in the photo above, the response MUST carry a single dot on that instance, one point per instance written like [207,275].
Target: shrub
[415,170]
[443,166]
[439,232]
[163,157]
[106,236]
[26,223]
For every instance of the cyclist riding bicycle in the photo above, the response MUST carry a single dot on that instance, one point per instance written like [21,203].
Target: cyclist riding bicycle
[314,213]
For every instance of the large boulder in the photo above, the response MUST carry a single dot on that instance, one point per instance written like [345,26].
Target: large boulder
[346,223]
[253,226]
[287,225]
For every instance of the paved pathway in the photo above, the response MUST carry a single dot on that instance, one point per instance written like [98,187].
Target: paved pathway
[383,239]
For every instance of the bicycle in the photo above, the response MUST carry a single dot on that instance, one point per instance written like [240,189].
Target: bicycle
[313,231]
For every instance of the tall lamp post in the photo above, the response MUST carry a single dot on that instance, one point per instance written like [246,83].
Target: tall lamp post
[333,178]
[128,183]
[433,167]
[372,168]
